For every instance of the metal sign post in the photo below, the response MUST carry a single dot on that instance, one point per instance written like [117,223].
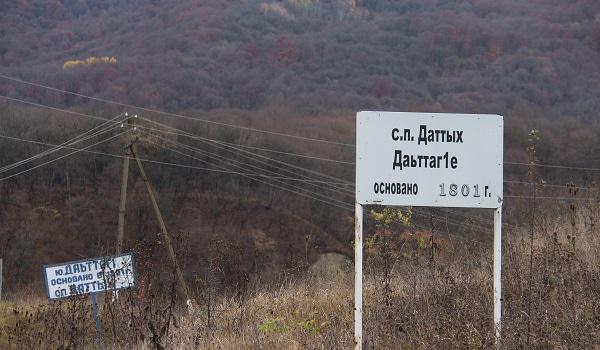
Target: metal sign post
[498,274]
[428,160]
[97,322]
[358,276]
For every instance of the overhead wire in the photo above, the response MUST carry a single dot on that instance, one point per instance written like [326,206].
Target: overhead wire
[244,146]
[556,198]
[316,182]
[476,227]
[149,160]
[81,114]
[180,134]
[237,163]
[293,154]
[91,133]
[450,221]
[257,177]
[544,184]
[553,166]
[263,149]
[39,105]
[332,185]
[220,143]
[186,134]
[348,206]
[345,206]
[233,125]
[320,195]
[208,121]
[59,158]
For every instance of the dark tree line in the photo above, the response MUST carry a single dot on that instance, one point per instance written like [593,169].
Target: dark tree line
[484,56]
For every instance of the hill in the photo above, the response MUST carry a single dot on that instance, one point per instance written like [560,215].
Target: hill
[539,58]
[296,67]
[253,169]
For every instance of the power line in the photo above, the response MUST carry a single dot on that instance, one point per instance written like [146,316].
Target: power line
[192,136]
[243,165]
[315,194]
[79,138]
[39,105]
[479,228]
[554,166]
[177,133]
[59,158]
[556,198]
[256,177]
[293,154]
[248,154]
[275,133]
[189,135]
[256,174]
[439,218]
[85,150]
[198,119]
[261,149]
[341,205]
[285,178]
[544,184]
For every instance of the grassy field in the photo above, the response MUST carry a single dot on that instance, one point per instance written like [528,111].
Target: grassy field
[5,321]
[411,302]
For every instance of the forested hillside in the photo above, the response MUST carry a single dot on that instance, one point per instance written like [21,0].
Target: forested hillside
[301,67]
[245,126]
[534,58]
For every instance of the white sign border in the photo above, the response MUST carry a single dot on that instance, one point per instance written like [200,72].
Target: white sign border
[379,114]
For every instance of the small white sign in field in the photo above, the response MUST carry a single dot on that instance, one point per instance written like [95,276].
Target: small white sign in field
[89,276]
[429,159]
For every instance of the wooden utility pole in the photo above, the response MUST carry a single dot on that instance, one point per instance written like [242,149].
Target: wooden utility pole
[0,279]
[161,222]
[124,179]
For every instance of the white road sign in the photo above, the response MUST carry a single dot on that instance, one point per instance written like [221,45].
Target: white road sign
[89,276]
[429,159]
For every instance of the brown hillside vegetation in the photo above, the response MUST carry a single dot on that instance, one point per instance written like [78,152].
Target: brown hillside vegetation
[495,56]
[245,124]
[69,211]
[441,304]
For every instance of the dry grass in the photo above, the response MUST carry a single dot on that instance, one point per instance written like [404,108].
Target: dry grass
[5,321]
[444,304]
